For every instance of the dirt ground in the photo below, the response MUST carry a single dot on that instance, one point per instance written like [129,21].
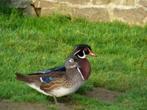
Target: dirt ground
[6,105]
[103,94]
[96,93]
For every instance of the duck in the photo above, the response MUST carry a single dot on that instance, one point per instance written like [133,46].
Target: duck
[63,80]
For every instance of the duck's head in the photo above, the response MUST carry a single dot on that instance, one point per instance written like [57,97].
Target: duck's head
[82,50]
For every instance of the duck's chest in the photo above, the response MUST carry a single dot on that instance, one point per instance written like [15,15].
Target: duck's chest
[72,83]
[75,79]
[85,68]
[62,91]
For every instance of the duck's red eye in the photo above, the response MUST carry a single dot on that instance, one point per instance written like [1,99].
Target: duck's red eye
[86,51]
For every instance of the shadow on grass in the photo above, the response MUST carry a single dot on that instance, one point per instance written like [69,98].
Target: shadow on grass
[6,8]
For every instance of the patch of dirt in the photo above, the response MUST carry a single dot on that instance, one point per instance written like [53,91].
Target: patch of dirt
[6,105]
[103,94]
[66,104]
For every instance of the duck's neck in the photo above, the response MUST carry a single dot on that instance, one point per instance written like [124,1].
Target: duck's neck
[85,68]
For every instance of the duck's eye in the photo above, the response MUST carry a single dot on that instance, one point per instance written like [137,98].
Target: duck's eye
[86,51]
[81,53]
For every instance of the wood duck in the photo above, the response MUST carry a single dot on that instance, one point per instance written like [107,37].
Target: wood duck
[63,80]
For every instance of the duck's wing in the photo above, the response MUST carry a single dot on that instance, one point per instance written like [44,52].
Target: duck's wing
[50,71]
[44,80]
[53,84]
[43,83]
[40,77]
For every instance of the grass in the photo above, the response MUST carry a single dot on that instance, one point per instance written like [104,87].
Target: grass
[28,44]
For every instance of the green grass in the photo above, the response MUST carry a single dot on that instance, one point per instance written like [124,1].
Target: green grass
[29,44]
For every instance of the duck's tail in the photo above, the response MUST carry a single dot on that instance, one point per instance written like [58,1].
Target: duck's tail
[22,77]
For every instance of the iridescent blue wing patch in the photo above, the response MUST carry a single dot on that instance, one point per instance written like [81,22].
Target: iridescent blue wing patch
[46,79]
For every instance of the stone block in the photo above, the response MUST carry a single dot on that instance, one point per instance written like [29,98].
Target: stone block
[93,14]
[47,4]
[115,2]
[104,2]
[21,3]
[129,2]
[75,2]
[56,8]
[130,11]
[132,16]
[143,3]
[29,11]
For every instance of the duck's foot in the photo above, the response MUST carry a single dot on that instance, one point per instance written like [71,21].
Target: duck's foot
[66,99]
[55,100]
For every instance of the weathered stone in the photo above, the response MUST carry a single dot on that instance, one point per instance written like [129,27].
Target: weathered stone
[145,20]
[82,2]
[130,11]
[29,11]
[115,2]
[47,4]
[128,2]
[133,16]
[21,3]
[68,2]
[95,14]
[105,2]
[58,8]
[143,3]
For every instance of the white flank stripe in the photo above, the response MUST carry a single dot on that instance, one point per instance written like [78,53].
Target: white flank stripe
[38,89]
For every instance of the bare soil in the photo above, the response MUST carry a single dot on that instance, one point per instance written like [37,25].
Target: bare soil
[103,94]
[6,105]
[100,94]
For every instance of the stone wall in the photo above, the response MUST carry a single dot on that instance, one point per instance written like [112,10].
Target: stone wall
[130,11]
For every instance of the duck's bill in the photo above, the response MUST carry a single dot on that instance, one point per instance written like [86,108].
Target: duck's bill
[92,53]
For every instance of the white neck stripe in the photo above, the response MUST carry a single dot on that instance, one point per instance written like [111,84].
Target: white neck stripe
[76,52]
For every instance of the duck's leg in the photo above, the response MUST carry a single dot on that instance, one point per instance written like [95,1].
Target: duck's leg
[55,100]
